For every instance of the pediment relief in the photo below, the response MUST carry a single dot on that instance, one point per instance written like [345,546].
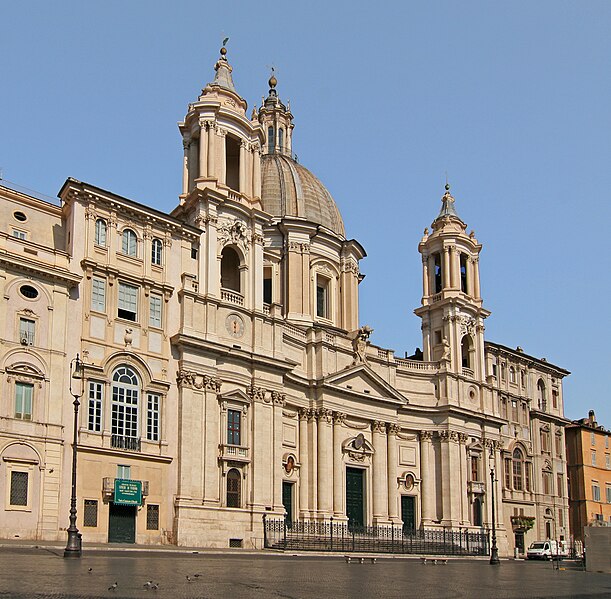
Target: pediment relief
[358,448]
[233,397]
[361,380]
[27,371]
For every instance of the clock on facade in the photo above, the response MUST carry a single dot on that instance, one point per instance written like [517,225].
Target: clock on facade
[235,325]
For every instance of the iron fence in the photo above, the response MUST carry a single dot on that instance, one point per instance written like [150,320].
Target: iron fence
[340,536]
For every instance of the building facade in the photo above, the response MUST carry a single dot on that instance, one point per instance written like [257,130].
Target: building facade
[589,469]
[228,375]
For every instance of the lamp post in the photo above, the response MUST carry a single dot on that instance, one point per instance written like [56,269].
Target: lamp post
[494,552]
[73,546]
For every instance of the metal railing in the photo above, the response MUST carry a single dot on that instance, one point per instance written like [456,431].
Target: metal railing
[336,536]
[123,442]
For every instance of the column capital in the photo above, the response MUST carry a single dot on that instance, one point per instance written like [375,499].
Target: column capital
[378,426]
[426,435]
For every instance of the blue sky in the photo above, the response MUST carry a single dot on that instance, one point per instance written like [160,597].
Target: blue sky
[511,99]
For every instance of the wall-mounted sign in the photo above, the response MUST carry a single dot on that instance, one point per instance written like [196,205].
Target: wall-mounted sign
[128,492]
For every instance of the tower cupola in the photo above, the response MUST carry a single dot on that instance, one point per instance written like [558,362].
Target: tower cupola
[277,122]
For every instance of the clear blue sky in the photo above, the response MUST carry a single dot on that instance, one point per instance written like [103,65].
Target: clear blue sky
[512,99]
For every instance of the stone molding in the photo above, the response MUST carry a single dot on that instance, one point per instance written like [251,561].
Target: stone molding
[194,380]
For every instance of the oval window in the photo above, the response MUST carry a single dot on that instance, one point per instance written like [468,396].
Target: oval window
[20,216]
[28,291]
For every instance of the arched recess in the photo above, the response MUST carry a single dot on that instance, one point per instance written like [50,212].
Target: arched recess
[231,271]
[467,352]
[325,290]
[541,395]
[20,471]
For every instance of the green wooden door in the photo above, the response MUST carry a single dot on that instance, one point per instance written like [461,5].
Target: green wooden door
[408,513]
[354,497]
[122,523]
[287,500]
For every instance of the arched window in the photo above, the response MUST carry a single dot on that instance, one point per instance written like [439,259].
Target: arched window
[466,348]
[100,232]
[230,269]
[281,140]
[129,243]
[156,252]
[124,410]
[512,374]
[463,273]
[270,140]
[234,488]
[437,273]
[518,470]
[541,397]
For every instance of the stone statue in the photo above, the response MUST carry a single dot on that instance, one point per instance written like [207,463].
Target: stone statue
[360,340]
[446,356]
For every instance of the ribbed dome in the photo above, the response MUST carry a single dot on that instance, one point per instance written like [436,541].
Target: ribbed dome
[289,189]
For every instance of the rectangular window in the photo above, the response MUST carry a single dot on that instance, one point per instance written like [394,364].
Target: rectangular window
[593,458]
[524,414]
[544,441]
[595,492]
[124,472]
[559,445]
[608,461]
[554,398]
[128,302]
[152,417]
[23,400]
[527,475]
[474,468]
[560,483]
[19,488]
[155,311]
[94,408]
[608,494]
[27,327]
[267,285]
[193,253]
[560,518]
[90,512]
[152,517]
[322,299]
[19,234]
[494,369]
[547,483]
[100,232]
[514,410]
[124,414]
[233,427]
[508,473]
[517,475]
[592,439]
[98,294]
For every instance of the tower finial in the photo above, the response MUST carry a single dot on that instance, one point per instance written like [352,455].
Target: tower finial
[272,80]
[223,49]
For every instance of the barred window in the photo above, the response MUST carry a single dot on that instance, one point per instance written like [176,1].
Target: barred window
[19,488]
[100,232]
[129,243]
[156,252]
[128,302]
[152,517]
[234,483]
[98,294]
[155,311]
[23,400]
[90,512]
[152,417]
[94,411]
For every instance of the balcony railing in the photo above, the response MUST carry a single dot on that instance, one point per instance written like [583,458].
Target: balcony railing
[468,373]
[123,442]
[234,452]
[232,296]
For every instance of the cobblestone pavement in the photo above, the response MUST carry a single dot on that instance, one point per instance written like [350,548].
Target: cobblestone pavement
[43,573]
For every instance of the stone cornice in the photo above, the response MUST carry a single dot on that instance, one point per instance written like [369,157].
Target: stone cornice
[14,263]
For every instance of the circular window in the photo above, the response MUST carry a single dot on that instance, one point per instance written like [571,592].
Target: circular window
[20,216]
[28,291]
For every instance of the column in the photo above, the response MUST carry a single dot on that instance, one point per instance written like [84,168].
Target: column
[476,289]
[447,478]
[431,271]
[454,267]
[393,503]
[185,166]
[427,474]
[380,473]
[211,135]
[256,173]
[464,476]
[325,463]
[338,470]
[470,274]
[278,400]
[203,149]
[223,152]
[242,173]
[425,275]
[313,437]
[304,460]
[446,269]
[192,163]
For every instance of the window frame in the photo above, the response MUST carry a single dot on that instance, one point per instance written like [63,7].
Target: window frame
[27,332]
[153,416]
[23,414]
[125,403]
[235,493]
[234,427]
[98,294]
[124,300]
[101,232]
[155,312]
[129,243]
[11,471]
[90,503]
[323,297]
[95,406]
[156,252]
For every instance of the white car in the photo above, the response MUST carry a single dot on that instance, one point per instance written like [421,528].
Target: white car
[547,550]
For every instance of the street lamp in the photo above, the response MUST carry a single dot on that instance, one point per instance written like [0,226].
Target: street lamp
[494,552]
[73,546]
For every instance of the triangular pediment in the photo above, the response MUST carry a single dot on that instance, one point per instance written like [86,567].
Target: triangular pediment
[235,395]
[363,381]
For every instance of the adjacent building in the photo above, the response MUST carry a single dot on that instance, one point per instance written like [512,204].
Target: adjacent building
[589,468]
[227,374]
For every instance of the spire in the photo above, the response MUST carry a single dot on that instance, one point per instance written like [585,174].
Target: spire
[272,99]
[223,69]
[447,205]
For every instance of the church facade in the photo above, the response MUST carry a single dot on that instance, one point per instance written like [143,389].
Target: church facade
[226,372]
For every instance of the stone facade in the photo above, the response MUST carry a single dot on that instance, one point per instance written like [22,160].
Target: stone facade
[226,368]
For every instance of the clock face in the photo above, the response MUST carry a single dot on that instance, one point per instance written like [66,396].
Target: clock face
[235,325]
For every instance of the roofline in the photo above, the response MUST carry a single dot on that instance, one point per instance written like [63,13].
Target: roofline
[518,354]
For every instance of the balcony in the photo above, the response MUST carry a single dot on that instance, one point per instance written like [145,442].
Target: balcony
[476,487]
[468,373]
[233,453]
[123,442]
[233,297]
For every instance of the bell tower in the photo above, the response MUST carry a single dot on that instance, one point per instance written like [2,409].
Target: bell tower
[452,312]
[277,122]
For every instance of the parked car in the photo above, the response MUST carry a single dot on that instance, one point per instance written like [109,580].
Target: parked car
[547,550]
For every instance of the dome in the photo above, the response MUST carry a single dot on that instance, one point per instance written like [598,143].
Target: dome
[289,189]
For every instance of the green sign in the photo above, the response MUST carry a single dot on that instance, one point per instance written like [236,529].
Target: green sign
[128,492]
